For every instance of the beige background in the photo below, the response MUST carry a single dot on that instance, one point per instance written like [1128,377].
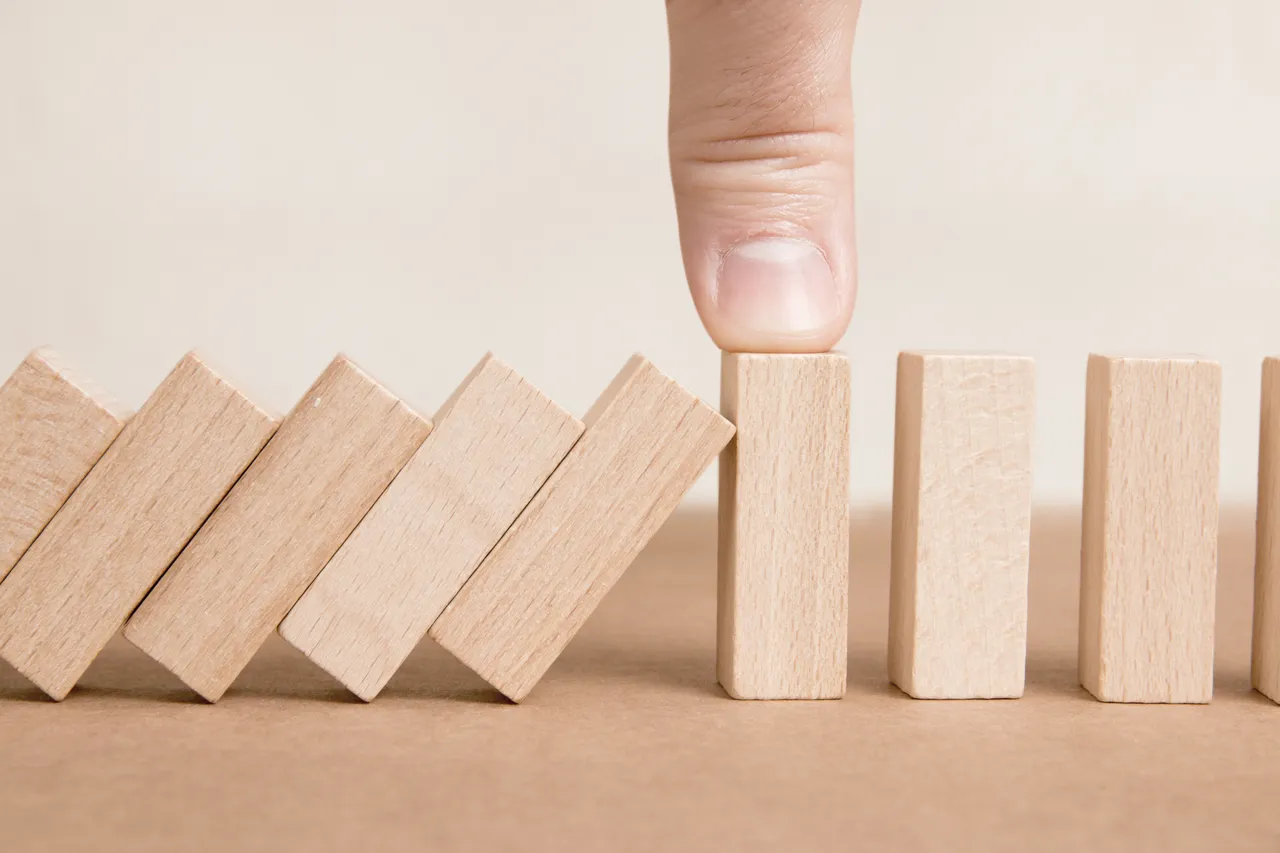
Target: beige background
[417,182]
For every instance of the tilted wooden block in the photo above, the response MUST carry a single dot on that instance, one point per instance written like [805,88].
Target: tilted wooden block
[1150,549]
[53,428]
[1266,594]
[125,523]
[784,527]
[961,525]
[330,460]
[645,444]
[494,444]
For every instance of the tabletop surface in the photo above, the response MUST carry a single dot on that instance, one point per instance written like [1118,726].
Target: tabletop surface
[628,744]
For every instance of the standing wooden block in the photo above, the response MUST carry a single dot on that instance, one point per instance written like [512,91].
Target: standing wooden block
[495,443]
[124,524]
[1150,550]
[1266,593]
[784,527]
[53,428]
[961,525]
[332,457]
[645,444]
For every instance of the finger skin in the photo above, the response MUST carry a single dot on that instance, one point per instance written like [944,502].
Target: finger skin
[761,146]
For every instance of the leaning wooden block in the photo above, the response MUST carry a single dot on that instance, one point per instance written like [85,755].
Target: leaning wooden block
[961,525]
[1150,549]
[1266,594]
[330,460]
[53,428]
[784,527]
[124,524]
[494,444]
[645,444]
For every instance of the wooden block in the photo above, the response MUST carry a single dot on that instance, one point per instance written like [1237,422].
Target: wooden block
[53,428]
[333,456]
[961,525]
[647,440]
[1266,593]
[494,444]
[1150,549]
[125,523]
[783,610]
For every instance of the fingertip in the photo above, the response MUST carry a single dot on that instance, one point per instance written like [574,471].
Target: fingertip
[775,294]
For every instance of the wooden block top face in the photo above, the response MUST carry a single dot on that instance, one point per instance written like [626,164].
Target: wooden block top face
[1266,595]
[53,428]
[784,536]
[125,523]
[962,525]
[494,444]
[1150,529]
[332,457]
[646,441]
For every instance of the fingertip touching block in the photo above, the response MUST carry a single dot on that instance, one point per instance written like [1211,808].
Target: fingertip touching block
[333,455]
[961,537]
[1266,596]
[495,442]
[646,441]
[1150,529]
[783,608]
[126,521]
[54,427]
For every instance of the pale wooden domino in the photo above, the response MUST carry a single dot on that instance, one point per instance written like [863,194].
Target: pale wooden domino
[332,457]
[961,525]
[645,444]
[1150,529]
[494,443]
[53,428]
[1266,594]
[122,527]
[783,609]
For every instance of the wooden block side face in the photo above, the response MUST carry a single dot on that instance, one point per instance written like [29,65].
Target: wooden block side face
[1266,597]
[499,440]
[126,522]
[973,527]
[904,543]
[51,433]
[333,456]
[1093,527]
[787,562]
[646,444]
[726,518]
[1159,532]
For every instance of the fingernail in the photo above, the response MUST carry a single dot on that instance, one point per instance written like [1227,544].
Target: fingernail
[776,287]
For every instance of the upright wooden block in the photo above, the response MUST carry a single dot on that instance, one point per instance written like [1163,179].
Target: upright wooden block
[124,524]
[332,457]
[961,525]
[495,443]
[53,428]
[783,611]
[1266,594]
[645,444]
[1150,550]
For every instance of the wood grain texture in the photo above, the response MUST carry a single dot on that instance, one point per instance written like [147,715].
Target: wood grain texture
[647,440]
[330,460]
[494,444]
[125,523]
[53,428]
[783,611]
[1150,529]
[1266,593]
[961,542]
